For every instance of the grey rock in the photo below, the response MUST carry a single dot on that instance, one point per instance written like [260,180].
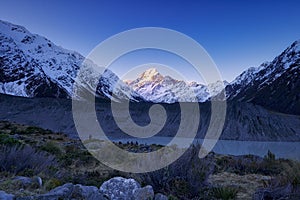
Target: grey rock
[69,191]
[119,188]
[160,196]
[5,196]
[63,191]
[144,193]
[86,192]
[27,182]
[38,180]
[283,192]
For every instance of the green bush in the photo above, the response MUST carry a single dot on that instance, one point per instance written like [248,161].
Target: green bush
[51,148]
[34,130]
[225,193]
[172,197]
[75,154]
[180,187]
[270,156]
[24,159]
[52,183]
[184,177]
[8,140]
[93,178]
[291,173]
[242,165]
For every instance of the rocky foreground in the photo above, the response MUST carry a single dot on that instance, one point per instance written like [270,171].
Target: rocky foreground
[122,188]
[115,188]
[40,164]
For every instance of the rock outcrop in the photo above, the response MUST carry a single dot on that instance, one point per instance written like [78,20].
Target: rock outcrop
[115,188]
[5,196]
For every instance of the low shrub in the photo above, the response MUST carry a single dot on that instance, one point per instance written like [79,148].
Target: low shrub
[92,178]
[74,154]
[52,183]
[8,140]
[22,159]
[224,193]
[242,165]
[172,197]
[183,178]
[270,157]
[291,173]
[33,130]
[51,148]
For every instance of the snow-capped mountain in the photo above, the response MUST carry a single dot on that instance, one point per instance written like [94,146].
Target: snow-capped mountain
[154,87]
[33,66]
[274,85]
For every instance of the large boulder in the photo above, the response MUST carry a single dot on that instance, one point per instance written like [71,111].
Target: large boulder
[119,188]
[5,196]
[144,193]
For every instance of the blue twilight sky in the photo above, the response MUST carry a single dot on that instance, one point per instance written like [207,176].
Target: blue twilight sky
[238,34]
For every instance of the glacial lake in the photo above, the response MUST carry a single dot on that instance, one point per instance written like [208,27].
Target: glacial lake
[289,150]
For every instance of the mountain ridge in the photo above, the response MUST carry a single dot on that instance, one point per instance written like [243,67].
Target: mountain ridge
[157,88]
[274,85]
[33,66]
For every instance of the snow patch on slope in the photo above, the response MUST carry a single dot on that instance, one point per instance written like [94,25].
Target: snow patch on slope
[35,63]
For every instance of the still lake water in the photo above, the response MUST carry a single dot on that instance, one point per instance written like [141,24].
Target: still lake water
[289,150]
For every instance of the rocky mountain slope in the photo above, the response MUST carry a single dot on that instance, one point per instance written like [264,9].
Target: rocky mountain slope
[33,66]
[274,85]
[244,121]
